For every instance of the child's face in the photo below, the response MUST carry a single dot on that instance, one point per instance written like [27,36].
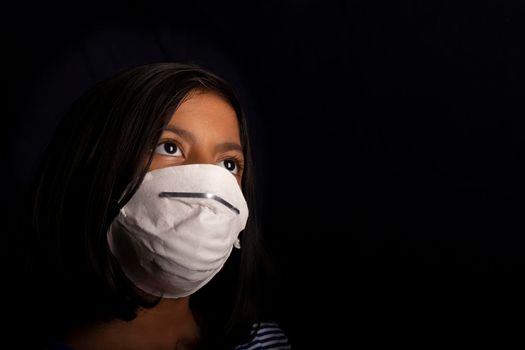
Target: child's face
[203,130]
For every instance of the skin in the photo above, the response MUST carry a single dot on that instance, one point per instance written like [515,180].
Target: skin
[204,129]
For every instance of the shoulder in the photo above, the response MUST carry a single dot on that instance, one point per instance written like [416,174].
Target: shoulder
[266,335]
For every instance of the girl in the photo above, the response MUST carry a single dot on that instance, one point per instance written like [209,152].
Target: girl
[144,222]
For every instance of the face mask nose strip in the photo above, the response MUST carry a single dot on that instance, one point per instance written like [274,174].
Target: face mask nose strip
[200,195]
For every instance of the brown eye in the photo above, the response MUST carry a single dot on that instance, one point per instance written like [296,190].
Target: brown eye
[169,149]
[230,165]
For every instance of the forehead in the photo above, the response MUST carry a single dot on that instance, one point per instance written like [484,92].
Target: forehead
[207,113]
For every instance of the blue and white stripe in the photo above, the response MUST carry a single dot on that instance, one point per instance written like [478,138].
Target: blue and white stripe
[268,336]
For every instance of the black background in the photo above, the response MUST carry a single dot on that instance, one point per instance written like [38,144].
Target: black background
[389,146]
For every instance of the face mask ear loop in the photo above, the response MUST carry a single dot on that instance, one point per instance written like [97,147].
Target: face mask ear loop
[237,243]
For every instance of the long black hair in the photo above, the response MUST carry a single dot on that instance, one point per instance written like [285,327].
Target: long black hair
[92,167]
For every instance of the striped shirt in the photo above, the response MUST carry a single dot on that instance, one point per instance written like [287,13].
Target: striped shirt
[268,336]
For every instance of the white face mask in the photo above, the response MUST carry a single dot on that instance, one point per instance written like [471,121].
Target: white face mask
[178,229]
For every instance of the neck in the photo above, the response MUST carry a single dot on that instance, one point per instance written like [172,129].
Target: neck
[169,325]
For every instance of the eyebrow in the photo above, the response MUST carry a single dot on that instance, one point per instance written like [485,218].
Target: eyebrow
[221,147]
[228,146]
[185,134]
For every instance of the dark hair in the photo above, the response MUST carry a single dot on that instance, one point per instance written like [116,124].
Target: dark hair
[93,166]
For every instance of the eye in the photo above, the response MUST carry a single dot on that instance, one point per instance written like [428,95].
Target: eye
[231,165]
[169,149]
